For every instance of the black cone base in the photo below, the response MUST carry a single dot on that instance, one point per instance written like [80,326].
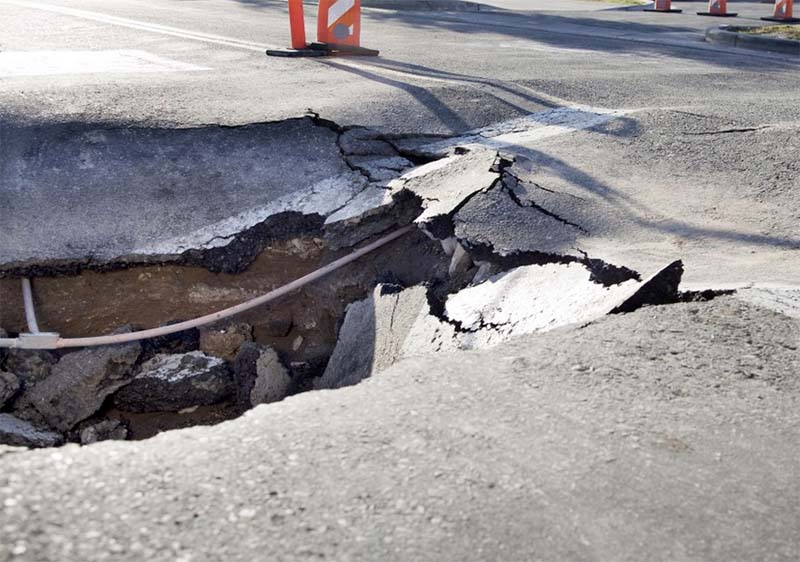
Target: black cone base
[294,53]
[324,50]
[331,49]
[782,20]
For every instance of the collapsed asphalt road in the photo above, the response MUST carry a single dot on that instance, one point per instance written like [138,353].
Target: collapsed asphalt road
[623,362]
[660,434]
[464,292]
[587,348]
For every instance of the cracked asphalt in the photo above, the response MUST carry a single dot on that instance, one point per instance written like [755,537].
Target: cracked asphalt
[667,433]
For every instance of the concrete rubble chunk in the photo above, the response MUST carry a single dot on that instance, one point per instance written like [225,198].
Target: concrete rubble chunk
[540,298]
[225,340]
[391,325]
[372,335]
[169,383]
[79,384]
[9,385]
[445,185]
[103,431]
[261,377]
[21,433]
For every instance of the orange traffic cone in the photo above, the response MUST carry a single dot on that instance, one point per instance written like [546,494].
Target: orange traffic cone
[718,8]
[338,30]
[297,26]
[783,12]
[663,6]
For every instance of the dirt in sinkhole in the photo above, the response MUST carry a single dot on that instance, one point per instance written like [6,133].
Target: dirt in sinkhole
[300,327]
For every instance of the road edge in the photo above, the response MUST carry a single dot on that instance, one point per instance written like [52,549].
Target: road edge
[723,35]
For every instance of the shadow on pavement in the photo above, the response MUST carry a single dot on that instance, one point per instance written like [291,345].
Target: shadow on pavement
[544,28]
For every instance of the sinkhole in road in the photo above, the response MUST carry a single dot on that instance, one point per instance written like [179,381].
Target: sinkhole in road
[185,222]
[140,227]
[206,374]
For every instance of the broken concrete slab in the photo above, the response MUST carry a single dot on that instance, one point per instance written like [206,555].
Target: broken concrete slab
[539,298]
[22,433]
[372,334]
[660,288]
[260,376]
[392,324]
[446,185]
[169,383]
[79,384]
[493,224]
[152,199]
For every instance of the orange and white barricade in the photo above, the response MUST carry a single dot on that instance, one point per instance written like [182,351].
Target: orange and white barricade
[338,30]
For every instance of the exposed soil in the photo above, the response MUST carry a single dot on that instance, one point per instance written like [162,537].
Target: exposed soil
[302,326]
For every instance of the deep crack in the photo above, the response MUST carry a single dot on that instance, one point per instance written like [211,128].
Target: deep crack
[727,131]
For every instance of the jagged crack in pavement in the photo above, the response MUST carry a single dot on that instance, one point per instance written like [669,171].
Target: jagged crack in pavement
[470,302]
[466,456]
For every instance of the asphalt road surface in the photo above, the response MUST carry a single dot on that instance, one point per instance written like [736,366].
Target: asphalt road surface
[665,434]
[704,162]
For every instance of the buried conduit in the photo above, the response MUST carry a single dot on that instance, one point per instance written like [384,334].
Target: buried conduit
[30,312]
[46,340]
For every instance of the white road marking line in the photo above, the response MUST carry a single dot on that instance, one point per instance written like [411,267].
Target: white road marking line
[144,26]
[532,128]
[47,62]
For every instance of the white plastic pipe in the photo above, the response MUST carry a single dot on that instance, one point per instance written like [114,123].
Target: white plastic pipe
[30,311]
[225,313]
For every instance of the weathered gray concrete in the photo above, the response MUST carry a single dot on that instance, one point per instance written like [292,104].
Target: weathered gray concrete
[374,334]
[394,323]
[162,191]
[260,376]
[660,435]
[79,384]
[170,383]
